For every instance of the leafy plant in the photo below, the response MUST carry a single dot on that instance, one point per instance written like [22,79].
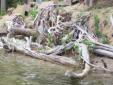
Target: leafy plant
[81,13]
[76,48]
[104,39]
[106,11]
[105,22]
[68,37]
[50,40]
[30,25]
[33,13]
[23,16]
[90,46]
[98,4]
[96,20]
[96,10]
[62,42]
[38,49]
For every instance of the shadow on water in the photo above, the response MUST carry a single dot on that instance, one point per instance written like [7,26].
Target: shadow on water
[17,69]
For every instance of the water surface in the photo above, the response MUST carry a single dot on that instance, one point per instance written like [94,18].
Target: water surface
[16,69]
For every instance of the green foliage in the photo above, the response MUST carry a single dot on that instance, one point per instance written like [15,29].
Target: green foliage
[3,12]
[90,46]
[50,40]
[13,3]
[62,7]
[60,0]
[23,16]
[68,37]
[96,10]
[105,39]
[96,20]
[30,26]
[105,22]
[33,13]
[98,4]
[38,49]
[81,13]
[62,42]
[86,42]
[76,48]
[106,11]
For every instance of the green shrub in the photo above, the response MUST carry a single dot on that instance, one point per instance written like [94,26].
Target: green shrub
[90,46]
[33,13]
[105,22]
[38,49]
[105,39]
[76,48]
[30,26]
[106,11]
[96,20]
[23,16]
[3,12]
[50,40]
[81,13]
[68,37]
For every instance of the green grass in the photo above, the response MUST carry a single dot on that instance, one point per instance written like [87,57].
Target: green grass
[96,20]
[106,11]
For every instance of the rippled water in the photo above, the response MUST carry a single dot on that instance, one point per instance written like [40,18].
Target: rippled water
[17,69]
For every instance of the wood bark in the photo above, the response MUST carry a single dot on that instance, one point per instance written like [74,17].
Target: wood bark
[22,31]
[51,58]
[85,57]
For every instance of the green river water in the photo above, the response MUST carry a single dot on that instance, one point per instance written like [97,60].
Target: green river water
[16,69]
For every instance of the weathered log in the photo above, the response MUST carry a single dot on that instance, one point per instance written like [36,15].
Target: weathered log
[60,49]
[85,57]
[22,31]
[104,53]
[51,58]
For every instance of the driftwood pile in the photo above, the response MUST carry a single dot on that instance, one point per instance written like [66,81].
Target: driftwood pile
[53,34]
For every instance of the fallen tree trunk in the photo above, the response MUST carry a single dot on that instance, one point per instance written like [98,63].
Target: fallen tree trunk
[51,58]
[22,31]
[59,49]
[85,57]
[104,53]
